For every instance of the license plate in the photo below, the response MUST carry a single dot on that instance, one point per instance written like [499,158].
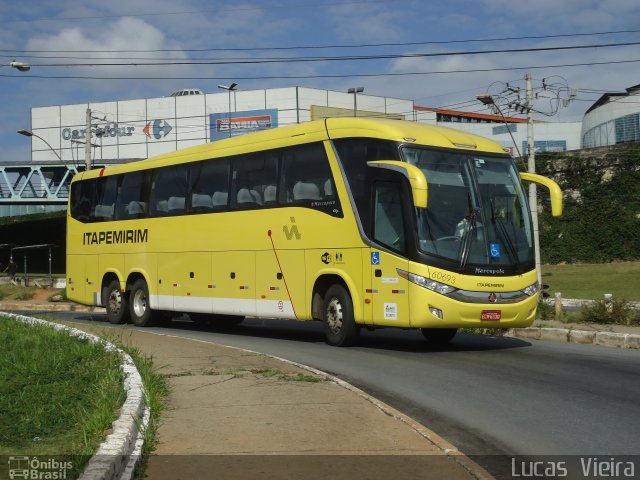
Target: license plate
[490,315]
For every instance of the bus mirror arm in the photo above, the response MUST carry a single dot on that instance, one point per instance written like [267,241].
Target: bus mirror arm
[416,177]
[553,187]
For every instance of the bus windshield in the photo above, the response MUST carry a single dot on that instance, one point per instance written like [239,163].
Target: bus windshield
[477,213]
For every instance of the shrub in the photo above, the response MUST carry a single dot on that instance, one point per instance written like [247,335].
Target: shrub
[614,311]
[545,311]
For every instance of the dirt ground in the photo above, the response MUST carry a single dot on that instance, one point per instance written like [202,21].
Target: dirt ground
[40,294]
[44,293]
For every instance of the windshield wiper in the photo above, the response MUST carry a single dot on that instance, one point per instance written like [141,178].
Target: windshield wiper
[505,236]
[467,237]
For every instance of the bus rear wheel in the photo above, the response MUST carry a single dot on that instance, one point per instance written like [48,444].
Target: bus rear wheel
[141,313]
[439,336]
[116,304]
[340,328]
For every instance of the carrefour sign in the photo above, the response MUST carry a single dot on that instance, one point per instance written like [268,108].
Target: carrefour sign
[225,125]
[112,129]
[154,129]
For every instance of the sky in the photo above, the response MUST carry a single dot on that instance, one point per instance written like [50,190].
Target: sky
[438,53]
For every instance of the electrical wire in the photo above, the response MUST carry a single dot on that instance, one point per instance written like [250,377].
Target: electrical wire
[336,46]
[258,61]
[319,76]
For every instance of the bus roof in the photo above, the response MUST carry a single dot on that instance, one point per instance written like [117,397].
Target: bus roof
[412,132]
[317,130]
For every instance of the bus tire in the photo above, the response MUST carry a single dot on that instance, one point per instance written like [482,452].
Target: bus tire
[141,313]
[340,328]
[439,336]
[116,305]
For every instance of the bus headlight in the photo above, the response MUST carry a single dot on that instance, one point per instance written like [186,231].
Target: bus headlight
[531,290]
[438,287]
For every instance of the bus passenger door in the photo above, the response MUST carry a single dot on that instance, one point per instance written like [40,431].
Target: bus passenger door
[389,291]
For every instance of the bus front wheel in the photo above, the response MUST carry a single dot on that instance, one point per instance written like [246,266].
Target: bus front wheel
[439,336]
[340,329]
[141,313]
[116,304]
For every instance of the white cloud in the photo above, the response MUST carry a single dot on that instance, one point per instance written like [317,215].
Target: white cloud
[103,46]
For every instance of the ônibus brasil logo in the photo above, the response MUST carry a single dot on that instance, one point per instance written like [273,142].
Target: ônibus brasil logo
[35,468]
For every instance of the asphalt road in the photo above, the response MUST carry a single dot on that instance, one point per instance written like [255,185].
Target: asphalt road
[486,395]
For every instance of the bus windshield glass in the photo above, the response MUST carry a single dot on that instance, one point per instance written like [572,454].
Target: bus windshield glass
[477,211]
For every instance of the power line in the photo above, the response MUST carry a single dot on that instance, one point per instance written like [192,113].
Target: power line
[309,47]
[253,61]
[319,76]
[197,12]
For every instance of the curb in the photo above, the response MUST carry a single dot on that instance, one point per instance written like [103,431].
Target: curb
[50,307]
[119,454]
[580,337]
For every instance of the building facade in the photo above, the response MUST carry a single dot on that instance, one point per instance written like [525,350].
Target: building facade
[613,119]
[510,132]
[135,129]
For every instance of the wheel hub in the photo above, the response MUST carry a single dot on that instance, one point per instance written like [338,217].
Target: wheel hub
[334,315]
[115,301]
[139,303]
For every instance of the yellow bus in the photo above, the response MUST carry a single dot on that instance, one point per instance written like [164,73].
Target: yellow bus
[355,222]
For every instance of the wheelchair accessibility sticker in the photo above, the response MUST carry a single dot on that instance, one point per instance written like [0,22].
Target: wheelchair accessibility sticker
[375,258]
[495,250]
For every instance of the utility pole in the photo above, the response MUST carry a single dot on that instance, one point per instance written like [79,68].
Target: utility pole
[533,197]
[87,141]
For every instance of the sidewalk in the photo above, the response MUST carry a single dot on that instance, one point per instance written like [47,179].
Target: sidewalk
[226,402]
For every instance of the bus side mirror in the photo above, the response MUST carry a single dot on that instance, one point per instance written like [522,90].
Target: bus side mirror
[416,177]
[554,190]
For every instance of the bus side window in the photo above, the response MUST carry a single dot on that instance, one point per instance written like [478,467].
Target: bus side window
[82,200]
[169,191]
[209,185]
[131,202]
[306,174]
[253,174]
[389,224]
[107,191]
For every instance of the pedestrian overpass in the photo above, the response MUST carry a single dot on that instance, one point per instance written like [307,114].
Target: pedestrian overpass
[44,183]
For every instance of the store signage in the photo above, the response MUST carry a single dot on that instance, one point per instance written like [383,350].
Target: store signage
[225,125]
[111,129]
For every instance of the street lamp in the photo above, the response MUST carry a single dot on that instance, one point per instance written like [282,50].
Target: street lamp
[20,66]
[355,92]
[29,133]
[490,101]
[230,88]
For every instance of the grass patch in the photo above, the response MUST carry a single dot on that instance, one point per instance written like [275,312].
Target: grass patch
[156,389]
[592,281]
[58,394]
[9,291]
